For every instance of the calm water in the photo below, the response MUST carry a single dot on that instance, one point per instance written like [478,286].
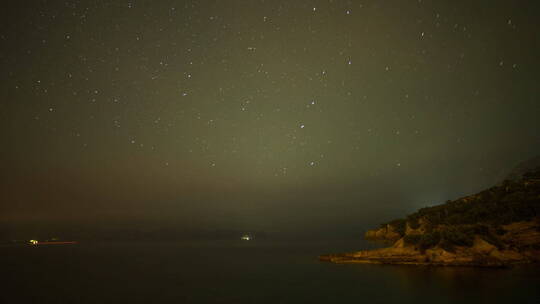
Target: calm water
[242,272]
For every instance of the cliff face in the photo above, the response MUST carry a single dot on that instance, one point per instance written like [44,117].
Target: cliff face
[496,227]
[522,234]
[386,233]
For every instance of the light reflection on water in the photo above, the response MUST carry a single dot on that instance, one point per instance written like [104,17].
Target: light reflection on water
[244,272]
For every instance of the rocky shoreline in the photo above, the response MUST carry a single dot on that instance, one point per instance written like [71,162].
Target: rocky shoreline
[481,254]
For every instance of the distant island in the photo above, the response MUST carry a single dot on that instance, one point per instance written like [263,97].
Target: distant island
[497,227]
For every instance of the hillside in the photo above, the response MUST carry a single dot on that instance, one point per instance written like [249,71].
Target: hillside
[496,227]
[524,167]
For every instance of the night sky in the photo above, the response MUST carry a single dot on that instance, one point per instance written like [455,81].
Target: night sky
[270,115]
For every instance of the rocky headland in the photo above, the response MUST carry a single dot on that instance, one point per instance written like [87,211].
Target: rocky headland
[497,227]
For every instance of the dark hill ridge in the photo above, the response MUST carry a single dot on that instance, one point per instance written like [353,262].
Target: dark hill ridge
[524,167]
[496,227]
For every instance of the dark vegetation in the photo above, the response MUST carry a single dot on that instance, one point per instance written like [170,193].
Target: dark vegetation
[449,237]
[456,223]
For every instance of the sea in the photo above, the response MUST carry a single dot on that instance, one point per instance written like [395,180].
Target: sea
[235,271]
